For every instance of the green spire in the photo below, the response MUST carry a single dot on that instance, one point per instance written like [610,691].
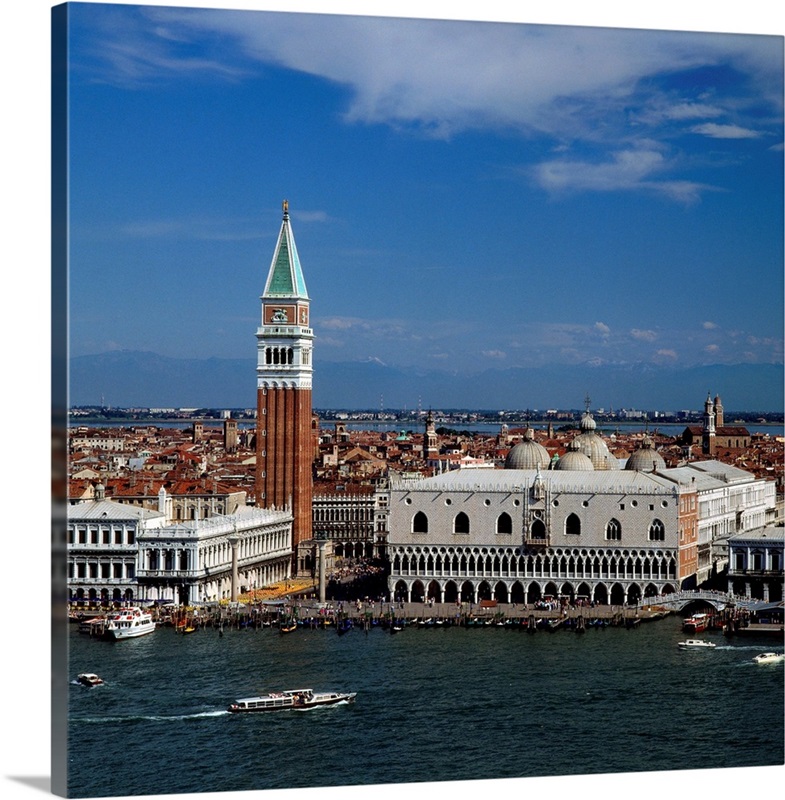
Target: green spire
[285,278]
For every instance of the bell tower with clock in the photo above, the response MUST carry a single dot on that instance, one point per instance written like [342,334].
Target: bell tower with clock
[283,389]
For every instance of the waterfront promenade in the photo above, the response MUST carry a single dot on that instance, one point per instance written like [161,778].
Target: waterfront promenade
[311,613]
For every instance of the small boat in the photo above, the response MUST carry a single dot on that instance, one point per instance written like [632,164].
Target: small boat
[697,623]
[695,644]
[128,623]
[89,679]
[288,627]
[294,699]
[769,658]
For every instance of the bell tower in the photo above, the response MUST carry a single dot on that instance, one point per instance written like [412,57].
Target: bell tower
[719,413]
[283,395]
[431,448]
[709,430]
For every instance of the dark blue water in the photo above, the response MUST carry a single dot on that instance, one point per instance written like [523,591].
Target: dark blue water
[432,704]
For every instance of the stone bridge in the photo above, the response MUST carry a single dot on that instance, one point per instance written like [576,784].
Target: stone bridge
[677,601]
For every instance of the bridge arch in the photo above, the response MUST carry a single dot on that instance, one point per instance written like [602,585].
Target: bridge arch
[698,604]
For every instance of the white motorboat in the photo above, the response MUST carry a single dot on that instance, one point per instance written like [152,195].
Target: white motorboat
[296,699]
[769,658]
[695,644]
[128,623]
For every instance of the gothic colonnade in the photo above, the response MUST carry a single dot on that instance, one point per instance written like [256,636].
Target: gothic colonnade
[526,575]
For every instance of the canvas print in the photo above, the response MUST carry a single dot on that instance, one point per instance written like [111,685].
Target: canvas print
[423,410]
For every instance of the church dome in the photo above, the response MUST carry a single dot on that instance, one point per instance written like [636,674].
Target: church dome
[587,422]
[575,460]
[646,458]
[528,454]
[593,446]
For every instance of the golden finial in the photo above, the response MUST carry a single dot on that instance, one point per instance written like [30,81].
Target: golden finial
[285,207]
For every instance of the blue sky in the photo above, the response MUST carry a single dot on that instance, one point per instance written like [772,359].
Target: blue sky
[462,194]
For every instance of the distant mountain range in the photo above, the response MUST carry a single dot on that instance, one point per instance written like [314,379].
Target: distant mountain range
[141,379]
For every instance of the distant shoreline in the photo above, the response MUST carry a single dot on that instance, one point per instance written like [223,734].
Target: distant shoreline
[360,425]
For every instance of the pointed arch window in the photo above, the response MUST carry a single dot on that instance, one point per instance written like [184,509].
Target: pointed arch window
[504,523]
[538,529]
[461,523]
[572,525]
[613,530]
[420,523]
[657,531]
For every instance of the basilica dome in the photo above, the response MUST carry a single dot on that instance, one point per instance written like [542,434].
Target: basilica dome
[645,459]
[527,454]
[574,459]
[593,446]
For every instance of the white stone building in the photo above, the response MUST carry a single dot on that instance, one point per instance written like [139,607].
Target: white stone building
[354,518]
[756,561]
[519,535]
[119,552]
[575,527]
[217,558]
[730,501]
[102,549]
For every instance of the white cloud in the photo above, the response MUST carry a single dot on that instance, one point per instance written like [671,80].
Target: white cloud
[572,84]
[716,131]
[331,341]
[710,326]
[338,323]
[446,76]
[528,344]
[626,170]
[379,329]
[692,111]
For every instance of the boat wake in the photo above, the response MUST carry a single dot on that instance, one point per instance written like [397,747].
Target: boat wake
[153,717]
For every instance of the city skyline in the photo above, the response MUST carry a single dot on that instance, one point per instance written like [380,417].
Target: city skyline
[448,219]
